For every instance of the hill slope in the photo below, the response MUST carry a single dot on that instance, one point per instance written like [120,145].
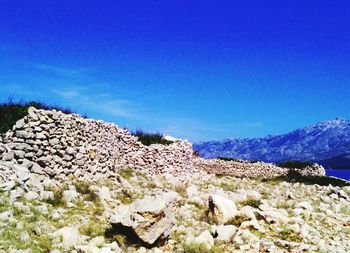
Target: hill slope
[317,143]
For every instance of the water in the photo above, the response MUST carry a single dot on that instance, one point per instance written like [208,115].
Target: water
[345,173]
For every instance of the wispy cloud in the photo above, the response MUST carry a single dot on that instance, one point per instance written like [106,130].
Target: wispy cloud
[60,70]
[254,124]
[88,99]
[68,93]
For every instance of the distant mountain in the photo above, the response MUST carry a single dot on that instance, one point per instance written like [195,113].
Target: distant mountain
[327,143]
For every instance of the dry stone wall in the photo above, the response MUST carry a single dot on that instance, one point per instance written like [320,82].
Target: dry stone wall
[58,144]
[255,169]
[54,144]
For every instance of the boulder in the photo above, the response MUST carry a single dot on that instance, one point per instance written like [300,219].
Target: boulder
[221,209]
[224,233]
[9,156]
[31,195]
[69,236]
[7,186]
[150,219]
[104,193]
[23,174]
[70,195]
[5,216]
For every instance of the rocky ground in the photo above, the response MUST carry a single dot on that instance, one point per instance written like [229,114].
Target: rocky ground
[136,212]
[66,185]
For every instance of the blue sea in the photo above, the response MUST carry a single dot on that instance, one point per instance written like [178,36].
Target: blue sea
[343,173]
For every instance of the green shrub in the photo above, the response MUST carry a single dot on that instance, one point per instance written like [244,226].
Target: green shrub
[289,235]
[94,227]
[235,159]
[195,248]
[251,202]
[181,190]
[237,220]
[84,189]
[57,199]
[126,173]
[125,197]
[228,159]
[150,138]
[200,248]
[11,112]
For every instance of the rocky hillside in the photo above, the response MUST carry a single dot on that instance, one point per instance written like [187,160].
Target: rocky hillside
[139,212]
[69,184]
[322,142]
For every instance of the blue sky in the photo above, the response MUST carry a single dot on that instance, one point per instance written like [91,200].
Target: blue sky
[199,70]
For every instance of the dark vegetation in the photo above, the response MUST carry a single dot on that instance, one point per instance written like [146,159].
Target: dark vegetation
[11,111]
[228,159]
[57,199]
[320,180]
[234,159]
[252,203]
[294,164]
[150,138]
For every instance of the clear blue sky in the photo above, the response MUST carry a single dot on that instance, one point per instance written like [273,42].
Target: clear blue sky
[200,70]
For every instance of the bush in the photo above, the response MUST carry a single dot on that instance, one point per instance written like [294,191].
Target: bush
[294,164]
[150,138]
[195,248]
[252,203]
[57,200]
[235,159]
[228,159]
[126,173]
[11,112]
[289,235]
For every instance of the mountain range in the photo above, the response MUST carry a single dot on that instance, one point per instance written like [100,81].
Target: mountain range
[327,143]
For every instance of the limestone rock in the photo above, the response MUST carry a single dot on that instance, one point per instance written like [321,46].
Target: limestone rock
[151,218]
[24,236]
[221,209]
[31,195]
[104,193]
[70,195]
[224,233]
[8,185]
[6,215]
[69,236]
[23,174]
[9,156]
[204,238]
